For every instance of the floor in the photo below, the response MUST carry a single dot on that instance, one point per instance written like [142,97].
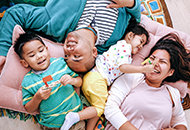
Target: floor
[180,15]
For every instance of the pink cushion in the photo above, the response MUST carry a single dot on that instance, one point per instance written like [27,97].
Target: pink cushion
[13,72]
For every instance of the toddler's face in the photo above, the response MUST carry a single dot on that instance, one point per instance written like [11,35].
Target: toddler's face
[137,43]
[35,55]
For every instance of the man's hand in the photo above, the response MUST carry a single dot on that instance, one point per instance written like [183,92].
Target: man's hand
[2,62]
[121,3]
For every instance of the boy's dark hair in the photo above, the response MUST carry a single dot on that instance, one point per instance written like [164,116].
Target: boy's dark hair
[23,39]
[136,28]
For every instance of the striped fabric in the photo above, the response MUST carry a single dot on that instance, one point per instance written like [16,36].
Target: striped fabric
[62,99]
[99,17]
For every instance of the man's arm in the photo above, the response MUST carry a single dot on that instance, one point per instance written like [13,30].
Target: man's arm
[27,16]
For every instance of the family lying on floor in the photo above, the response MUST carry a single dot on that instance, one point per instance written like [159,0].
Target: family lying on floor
[104,43]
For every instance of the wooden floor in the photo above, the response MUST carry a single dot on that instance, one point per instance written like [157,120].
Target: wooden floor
[180,15]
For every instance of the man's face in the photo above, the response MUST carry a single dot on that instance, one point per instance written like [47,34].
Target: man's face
[79,50]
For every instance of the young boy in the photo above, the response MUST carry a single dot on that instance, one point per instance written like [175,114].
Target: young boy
[53,102]
[110,65]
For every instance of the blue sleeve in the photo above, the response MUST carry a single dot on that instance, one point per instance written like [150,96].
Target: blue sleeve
[135,11]
[27,16]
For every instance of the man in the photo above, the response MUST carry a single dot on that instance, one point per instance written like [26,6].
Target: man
[59,18]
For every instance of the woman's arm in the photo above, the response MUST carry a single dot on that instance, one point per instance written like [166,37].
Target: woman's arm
[128,126]
[178,127]
[178,120]
[118,92]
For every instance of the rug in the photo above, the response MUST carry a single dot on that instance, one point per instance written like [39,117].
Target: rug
[186,102]
[157,11]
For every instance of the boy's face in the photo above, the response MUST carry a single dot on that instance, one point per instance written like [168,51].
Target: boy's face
[137,42]
[35,55]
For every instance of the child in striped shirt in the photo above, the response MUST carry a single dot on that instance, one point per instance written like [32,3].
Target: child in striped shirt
[54,102]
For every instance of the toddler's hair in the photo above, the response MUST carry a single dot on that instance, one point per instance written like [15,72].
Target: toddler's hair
[23,39]
[136,28]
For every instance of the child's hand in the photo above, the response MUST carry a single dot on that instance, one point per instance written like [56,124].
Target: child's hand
[148,68]
[121,3]
[66,79]
[43,94]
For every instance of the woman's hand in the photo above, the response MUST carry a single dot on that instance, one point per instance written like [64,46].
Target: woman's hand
[178,127]
[121,3]
[169,129]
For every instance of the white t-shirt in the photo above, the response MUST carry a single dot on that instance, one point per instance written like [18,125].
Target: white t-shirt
[108,63]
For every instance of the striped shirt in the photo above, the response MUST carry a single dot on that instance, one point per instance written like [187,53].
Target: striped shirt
[62,99]
[102,19]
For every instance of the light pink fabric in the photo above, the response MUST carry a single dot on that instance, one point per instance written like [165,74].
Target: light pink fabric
[152,114]
[124,86]
[13,73]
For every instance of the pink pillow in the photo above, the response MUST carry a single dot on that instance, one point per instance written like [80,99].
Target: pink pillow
[13,73]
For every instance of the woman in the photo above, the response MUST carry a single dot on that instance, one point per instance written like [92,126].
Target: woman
[142,101]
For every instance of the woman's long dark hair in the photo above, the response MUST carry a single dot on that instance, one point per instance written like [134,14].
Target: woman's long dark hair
[179,57]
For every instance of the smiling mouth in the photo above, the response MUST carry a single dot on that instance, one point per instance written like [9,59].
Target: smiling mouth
[156,71]
[41,62]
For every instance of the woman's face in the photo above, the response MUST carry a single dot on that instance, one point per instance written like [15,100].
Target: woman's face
[162,67]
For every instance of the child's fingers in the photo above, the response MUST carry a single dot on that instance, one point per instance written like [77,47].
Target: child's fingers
[155,61]
[145,61]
